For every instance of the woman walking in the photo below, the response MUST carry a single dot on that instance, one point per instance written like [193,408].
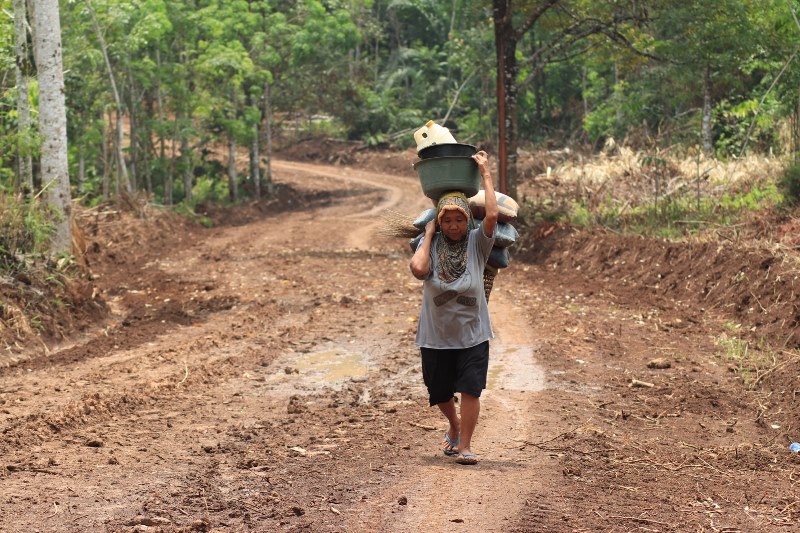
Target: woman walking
[454,328]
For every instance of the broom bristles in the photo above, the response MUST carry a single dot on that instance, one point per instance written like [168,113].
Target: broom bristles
[397,224]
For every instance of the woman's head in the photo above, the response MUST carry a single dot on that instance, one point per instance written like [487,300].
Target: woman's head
[453,215]
[453,224]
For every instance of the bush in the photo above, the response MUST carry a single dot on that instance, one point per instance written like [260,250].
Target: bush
[790,184]
[25,228]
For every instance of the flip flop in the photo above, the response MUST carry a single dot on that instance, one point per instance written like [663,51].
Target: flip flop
[467,458]
[450,446]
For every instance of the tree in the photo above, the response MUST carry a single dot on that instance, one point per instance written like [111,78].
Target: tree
[122,168]
[22,71]
[709,42]
[570,22]
[53,119]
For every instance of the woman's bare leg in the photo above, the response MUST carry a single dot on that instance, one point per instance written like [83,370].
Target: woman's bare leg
[470,409]
[448,409]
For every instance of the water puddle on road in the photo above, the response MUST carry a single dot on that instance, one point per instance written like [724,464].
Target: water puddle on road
[325,368]
[513,367]
[332,365]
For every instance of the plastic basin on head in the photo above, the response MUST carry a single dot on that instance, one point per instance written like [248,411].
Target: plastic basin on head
[439,175]
[447,150]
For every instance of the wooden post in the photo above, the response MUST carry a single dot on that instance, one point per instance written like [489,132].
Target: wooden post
[502,157]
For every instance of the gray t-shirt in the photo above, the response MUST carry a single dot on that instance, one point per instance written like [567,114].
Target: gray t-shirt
[455,314]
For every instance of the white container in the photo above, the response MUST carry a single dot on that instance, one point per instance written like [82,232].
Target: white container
[432,133]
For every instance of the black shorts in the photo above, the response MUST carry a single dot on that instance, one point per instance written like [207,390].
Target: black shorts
[446,372]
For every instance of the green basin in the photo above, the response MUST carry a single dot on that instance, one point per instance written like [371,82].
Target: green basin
[439,175]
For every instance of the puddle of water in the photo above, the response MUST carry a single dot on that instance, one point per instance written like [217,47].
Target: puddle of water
[513,367]
[331,365]
[310,371]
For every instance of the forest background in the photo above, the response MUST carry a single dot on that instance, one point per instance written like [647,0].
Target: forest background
[160,95]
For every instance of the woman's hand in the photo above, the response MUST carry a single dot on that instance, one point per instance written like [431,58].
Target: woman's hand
[482,159]
[430,228]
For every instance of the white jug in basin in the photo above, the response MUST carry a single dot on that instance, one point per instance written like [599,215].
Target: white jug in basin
[432,133]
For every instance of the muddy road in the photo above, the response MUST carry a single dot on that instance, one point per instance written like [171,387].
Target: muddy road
[262,376]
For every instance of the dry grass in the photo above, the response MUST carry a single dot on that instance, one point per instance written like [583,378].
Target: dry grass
[623,175]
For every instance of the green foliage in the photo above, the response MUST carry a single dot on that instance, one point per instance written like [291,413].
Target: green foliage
[790,184]
[208,189]
[25,228]
[186,210]
[764,196]
[194,74]
[674,216]
[746,123]
[750,360]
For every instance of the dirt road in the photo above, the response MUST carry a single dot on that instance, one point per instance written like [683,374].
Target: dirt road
[263,377]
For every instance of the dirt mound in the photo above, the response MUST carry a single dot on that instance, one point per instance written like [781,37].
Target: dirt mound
[43,300]
[46,300]
[748,282]
[748,287]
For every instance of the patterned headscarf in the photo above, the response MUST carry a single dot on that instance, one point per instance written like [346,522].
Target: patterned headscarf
[452,255]
[453,201]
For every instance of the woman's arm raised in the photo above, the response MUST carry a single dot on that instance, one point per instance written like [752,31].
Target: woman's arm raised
[490,219]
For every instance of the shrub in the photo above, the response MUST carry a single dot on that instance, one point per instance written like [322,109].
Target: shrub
[790,184]
[25,228]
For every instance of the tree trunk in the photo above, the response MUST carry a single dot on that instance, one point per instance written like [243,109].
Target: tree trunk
[507,70]
[186,159]
[617,96]
[584,92]
[148,173]
[106,157]
[255,166]
[160,104]
[268,139]
[134,126]
[122,168]
[53,120]
[706,121]
[233,187]
[537,97]
[169,178]
[81,169]
[148,150]
[24,181]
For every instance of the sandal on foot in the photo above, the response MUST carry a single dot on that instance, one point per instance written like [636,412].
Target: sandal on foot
[467,458]
[450,446]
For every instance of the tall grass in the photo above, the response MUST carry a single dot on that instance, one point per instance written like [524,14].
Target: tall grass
[655,193]
[25,229]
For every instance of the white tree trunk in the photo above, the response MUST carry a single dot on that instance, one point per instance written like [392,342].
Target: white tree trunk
[53,120]
[25,175]
[706,121]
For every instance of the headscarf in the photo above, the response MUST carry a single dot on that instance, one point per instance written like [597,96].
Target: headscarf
[452,255]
